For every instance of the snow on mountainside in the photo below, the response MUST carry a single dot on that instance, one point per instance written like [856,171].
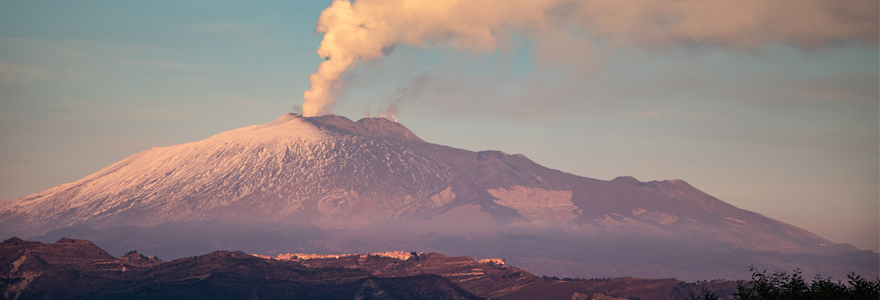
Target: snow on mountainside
[263,172]
[333,173]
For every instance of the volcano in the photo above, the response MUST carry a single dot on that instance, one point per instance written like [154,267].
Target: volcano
[375,183]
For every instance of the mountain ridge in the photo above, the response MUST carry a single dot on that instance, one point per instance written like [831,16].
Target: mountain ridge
[35,270]
[77,269]
[375,177]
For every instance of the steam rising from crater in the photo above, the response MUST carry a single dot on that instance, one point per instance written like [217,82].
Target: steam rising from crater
[563,31]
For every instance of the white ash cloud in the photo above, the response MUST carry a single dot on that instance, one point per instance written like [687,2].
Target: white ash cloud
[564,31]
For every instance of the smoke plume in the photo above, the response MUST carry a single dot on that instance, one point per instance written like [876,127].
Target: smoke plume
[368,30]
[415,88]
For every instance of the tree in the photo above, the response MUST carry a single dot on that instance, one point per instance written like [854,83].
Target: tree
[707,295]
[782,286]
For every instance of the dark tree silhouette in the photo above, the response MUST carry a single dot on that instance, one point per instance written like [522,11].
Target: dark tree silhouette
[783,286]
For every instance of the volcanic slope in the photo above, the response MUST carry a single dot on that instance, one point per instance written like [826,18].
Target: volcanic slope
[334,174]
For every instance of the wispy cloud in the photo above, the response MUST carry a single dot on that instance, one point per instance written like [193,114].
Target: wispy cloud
[140,47]
[852,140]
[27,61]
[644,114]
[673,114]
[152,63]
[59,49]
[846,87]
[248,33]
[11,73]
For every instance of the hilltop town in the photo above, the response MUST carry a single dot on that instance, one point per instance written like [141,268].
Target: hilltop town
[401,255]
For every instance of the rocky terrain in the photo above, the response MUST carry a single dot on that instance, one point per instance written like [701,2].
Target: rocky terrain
[76,269]
[326,184]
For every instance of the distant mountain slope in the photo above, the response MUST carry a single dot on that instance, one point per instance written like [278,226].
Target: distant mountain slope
[375,177]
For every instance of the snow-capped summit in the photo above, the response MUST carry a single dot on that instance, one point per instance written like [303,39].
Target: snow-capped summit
[336,174]
[381,128]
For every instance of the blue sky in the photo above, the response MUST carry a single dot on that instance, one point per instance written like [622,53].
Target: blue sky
[788,132]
